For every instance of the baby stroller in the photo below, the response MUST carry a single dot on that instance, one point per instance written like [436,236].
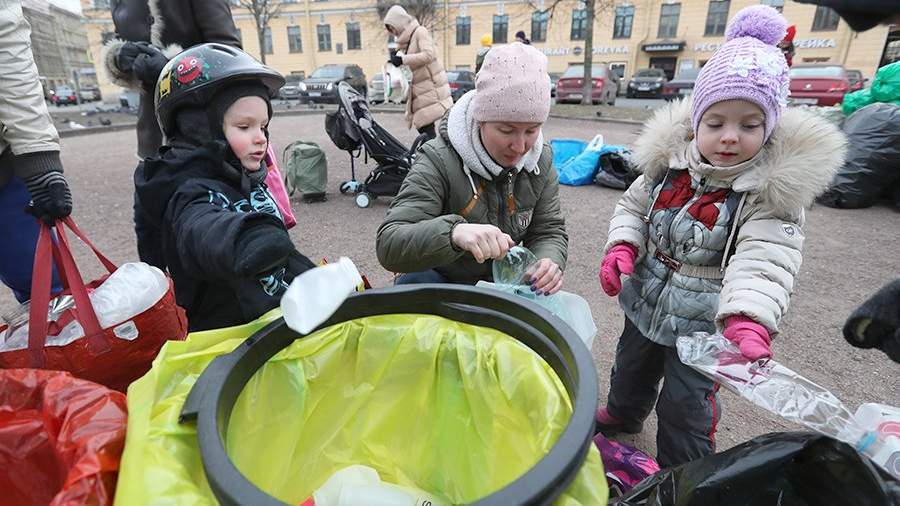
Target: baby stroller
[353,129]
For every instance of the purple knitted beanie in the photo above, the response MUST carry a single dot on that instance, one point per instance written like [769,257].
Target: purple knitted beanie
[749,66]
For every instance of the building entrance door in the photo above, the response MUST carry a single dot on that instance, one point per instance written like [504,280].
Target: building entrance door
[666,63]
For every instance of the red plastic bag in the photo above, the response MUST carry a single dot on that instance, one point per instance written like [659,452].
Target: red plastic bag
[113,357]
[61,439]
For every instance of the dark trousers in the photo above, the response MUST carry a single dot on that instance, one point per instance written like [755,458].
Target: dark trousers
[149,237]
[687,407]
[414,278]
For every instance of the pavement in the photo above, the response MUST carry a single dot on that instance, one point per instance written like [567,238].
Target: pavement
[848,255]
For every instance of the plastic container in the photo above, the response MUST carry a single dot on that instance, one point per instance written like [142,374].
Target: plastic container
[314,295]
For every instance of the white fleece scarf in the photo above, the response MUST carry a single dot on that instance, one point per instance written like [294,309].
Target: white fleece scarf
[466,140]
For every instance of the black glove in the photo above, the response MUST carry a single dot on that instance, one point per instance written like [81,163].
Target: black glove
[148,66]
[50,196]
[396,60]
[261,249]
[129,51]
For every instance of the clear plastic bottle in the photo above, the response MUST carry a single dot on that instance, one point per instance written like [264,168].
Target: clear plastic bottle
[315,295]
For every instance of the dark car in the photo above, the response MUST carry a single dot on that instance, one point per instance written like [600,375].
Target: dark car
[682,85]
[64,96]
[321,85]
[461,82]
[857,81]
[818,84]
[646,83]
[292,88]
[604,86]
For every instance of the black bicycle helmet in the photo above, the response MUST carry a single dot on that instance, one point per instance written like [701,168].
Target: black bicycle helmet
[193,76]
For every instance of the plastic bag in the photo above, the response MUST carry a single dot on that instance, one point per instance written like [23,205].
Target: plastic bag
[781,468]
[780,390]
[396,85]
[625,465]
[856,101]
[511,276]
[872,168]
[886,84]
[60,439]
[582,169]
[429,403]
[565,150]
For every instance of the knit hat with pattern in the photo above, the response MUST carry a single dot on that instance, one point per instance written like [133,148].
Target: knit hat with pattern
[749,66]
[512,85]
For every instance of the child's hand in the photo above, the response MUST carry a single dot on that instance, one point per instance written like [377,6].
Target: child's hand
[618,260]
[752,338]
[260,249]
[546,277]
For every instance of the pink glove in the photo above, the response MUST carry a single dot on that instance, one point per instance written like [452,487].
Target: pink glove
[751,337]
[618,260]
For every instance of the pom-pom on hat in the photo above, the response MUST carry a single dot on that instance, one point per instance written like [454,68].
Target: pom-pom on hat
[749,66]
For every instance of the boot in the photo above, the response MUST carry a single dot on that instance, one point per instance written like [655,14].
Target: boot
[609,425]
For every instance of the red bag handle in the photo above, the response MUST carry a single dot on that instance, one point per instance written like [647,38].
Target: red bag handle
[47,250]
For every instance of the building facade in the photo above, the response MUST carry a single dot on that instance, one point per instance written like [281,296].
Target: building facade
[60,45]
[628,34]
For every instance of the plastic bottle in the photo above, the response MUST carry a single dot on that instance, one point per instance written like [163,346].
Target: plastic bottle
[359,485]
[329,493]
[317,293]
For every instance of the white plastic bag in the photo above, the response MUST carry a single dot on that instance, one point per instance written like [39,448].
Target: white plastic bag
[316,294]
[396,86]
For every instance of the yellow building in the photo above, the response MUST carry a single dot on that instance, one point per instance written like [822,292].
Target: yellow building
[628,35]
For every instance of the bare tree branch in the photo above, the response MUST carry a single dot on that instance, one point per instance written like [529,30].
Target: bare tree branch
[263,11]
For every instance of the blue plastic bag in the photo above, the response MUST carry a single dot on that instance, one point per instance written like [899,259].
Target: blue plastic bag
[582,169]
[565,150]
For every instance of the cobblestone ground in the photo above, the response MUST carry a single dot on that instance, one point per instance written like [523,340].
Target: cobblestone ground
[848,255]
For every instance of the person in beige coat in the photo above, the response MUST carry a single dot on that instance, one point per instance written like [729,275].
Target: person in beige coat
[429,97]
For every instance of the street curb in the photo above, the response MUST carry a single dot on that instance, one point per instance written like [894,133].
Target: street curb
[599,120]
[127,126]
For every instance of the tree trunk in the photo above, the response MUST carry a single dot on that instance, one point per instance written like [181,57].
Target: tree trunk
[588,84]
[261,35]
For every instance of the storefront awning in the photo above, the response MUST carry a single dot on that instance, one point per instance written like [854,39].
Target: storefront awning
[663,46]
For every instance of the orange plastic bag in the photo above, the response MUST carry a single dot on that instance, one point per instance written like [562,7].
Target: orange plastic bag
[61,439]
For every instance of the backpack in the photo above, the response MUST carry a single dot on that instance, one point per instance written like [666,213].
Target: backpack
[305,169]
[615,171]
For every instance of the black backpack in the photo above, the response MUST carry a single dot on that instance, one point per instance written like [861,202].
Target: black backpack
[615,171]
[343,134]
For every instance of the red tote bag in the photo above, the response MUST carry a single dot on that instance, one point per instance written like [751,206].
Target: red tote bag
[113,356]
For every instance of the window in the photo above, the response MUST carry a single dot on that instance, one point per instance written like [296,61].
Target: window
[463,30]
[579,24]
[501,28]
[717,17]
[624,20]
[295,43]
[101,4]
[826,19]
[323,34]
[668,20]
[354,39]
[539,26]
[267,40]
[778,5]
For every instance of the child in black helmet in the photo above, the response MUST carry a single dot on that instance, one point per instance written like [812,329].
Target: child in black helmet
[223,238]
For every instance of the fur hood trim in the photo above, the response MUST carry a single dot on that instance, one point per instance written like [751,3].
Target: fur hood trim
[797,163]
[110,51]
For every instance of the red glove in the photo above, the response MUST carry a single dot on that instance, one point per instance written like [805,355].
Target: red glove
[618,260]
[752,338]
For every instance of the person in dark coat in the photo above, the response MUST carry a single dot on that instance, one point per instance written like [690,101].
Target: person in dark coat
[223,238]
[148,33]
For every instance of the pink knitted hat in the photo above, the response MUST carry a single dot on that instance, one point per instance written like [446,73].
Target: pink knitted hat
[512,85]
[749,66]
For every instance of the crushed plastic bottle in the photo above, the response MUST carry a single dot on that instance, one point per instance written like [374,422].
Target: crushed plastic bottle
[357,485]
[316,294]
[873,431]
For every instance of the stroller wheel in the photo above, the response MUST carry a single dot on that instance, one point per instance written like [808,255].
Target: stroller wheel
[349,187]
[363,200]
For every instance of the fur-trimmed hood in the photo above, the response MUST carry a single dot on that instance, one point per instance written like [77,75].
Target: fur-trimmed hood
[796,164]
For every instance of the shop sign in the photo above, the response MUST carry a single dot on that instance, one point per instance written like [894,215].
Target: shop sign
[578,50]
[661,47]
[706,47]
[815,43]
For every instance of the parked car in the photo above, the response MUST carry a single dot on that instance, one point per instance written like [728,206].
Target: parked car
[554,78]
[682,85]
[822,84]
[603,89]
[90,94]
[647,83]
[292,88]
[461,82]
[64,96]
[321,85]
[376,89]
[857,81]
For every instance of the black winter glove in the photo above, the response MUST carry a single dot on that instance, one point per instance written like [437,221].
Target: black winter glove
[128,52]
[50,196]
[148,66]
[396,60]
[260,249]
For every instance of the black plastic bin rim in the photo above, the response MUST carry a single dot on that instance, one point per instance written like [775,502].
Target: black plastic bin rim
[216,391]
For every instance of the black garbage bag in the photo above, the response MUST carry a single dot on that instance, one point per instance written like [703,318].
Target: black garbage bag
[615,171]
[872,169]
[783,468]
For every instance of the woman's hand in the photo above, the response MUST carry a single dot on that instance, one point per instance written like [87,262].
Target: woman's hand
[482,241]
[546,277]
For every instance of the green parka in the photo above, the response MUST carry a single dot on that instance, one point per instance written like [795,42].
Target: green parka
[437,195]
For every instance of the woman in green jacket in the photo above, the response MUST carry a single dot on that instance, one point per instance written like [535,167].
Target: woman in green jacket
[485,184]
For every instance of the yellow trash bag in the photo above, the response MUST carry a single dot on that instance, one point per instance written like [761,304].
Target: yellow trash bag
[456,410]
